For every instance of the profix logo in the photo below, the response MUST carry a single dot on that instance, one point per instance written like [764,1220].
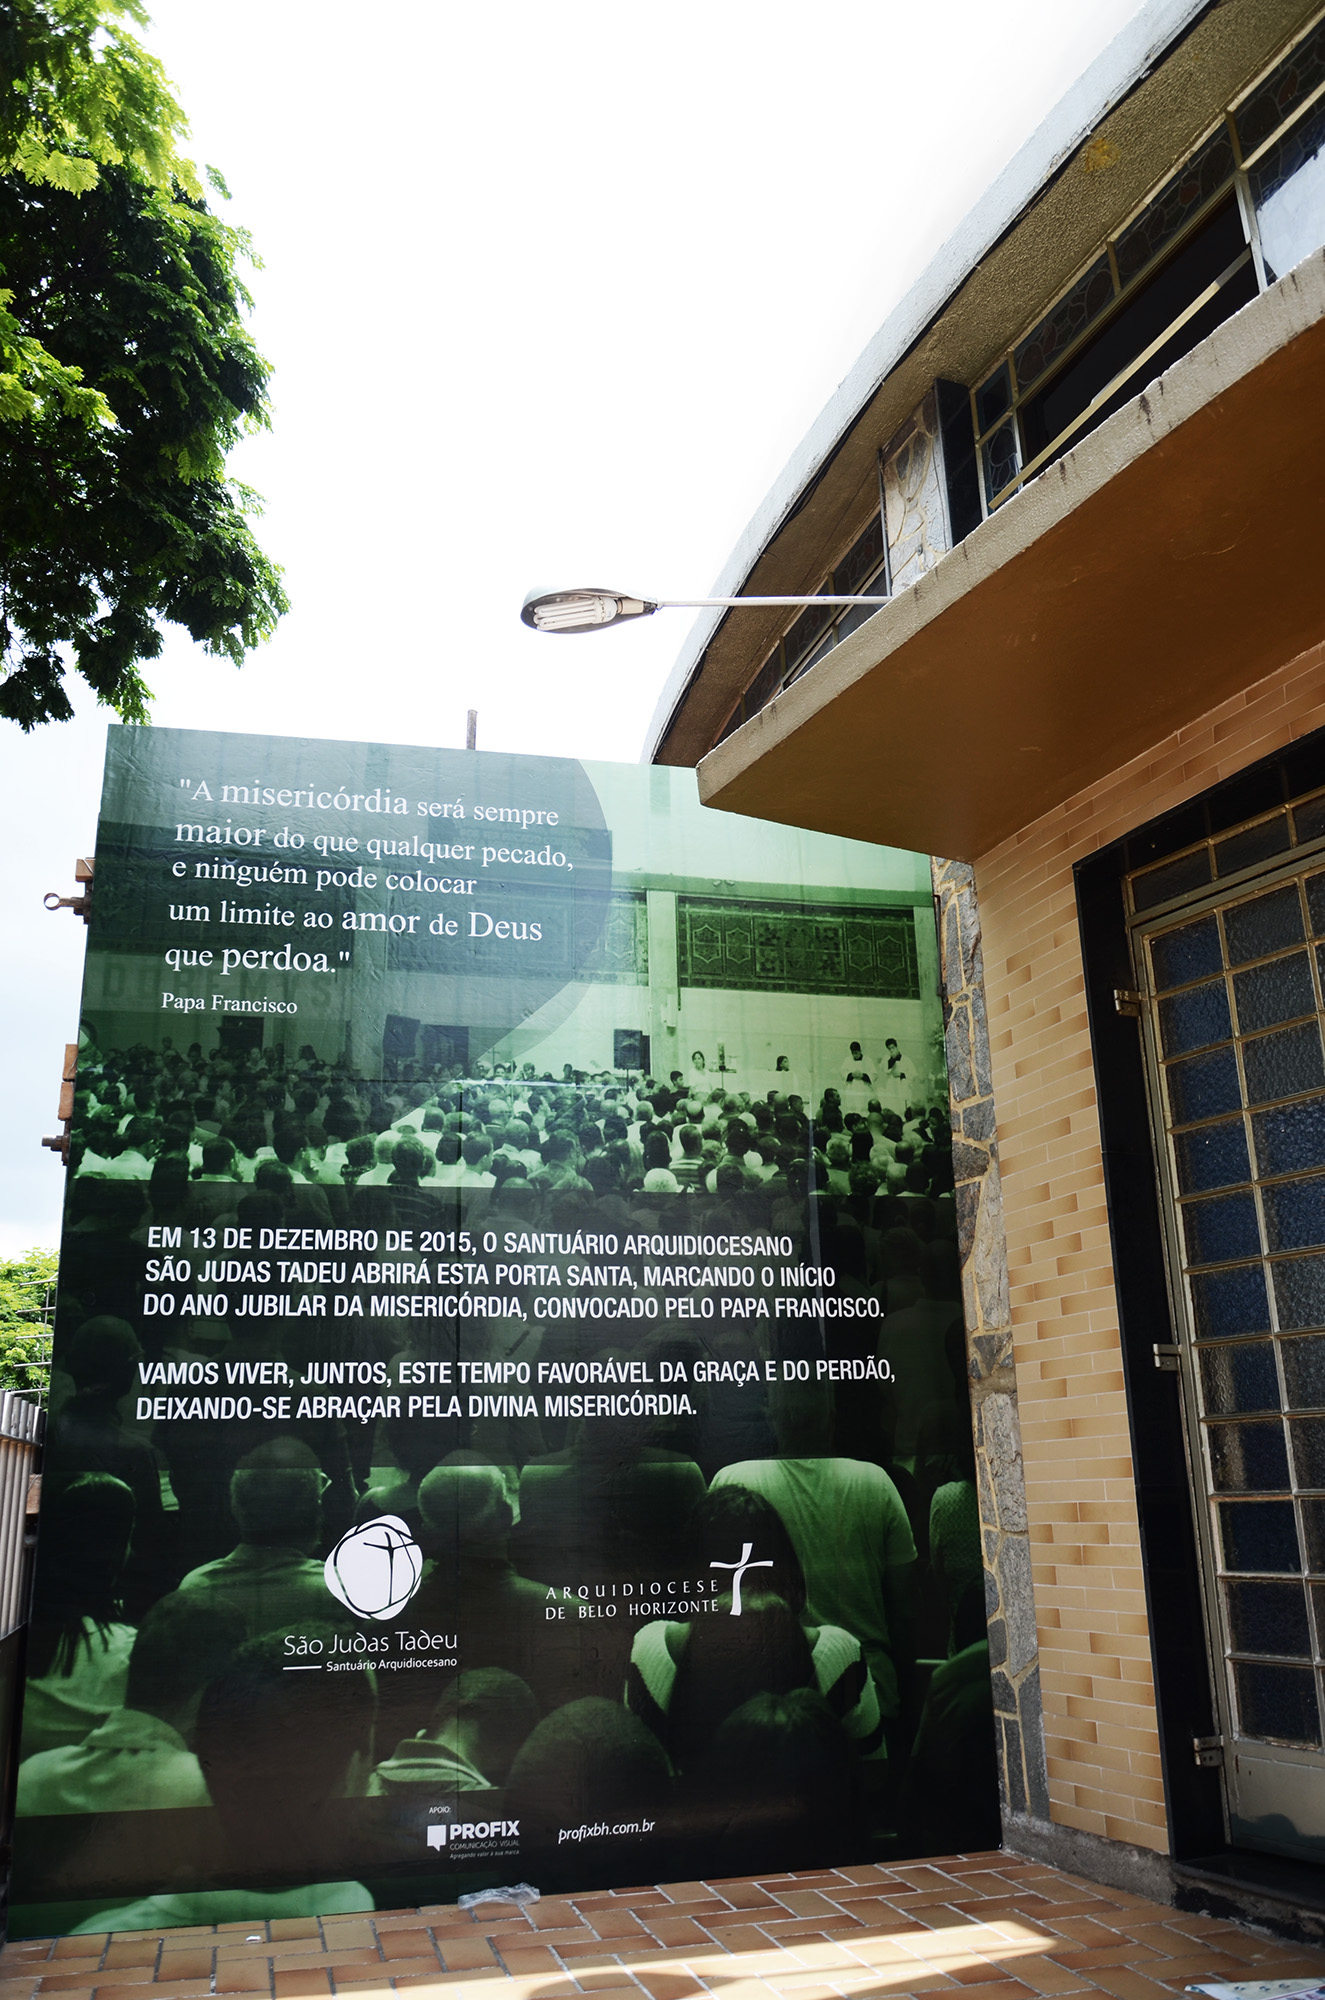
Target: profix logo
[375,1569]
[455,1833]
[738,1569]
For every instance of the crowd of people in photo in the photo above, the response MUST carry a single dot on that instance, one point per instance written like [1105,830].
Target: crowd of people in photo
[256,1121]
[844,1712]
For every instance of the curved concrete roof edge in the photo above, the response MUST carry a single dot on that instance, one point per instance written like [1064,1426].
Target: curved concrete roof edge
[1115,71]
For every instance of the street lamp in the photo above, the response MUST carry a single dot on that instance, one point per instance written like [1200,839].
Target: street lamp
[594,610]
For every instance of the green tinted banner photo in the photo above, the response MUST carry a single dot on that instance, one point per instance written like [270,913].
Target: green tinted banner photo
[508,1414]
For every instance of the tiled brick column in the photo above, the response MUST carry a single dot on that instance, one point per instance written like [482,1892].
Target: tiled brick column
[1106,1789]
[1013,1647]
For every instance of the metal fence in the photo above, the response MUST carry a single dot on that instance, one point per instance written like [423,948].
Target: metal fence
[20,1443]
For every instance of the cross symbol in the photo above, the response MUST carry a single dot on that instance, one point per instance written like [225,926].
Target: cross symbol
[738,1570]
[390,1550]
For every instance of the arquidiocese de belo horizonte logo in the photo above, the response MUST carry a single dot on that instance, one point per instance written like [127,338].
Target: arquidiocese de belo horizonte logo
[376,1569]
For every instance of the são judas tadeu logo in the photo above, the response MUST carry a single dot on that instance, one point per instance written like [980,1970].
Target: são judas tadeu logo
[375,1569]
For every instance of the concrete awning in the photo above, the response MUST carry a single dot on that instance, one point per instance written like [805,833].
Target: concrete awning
[1174,557]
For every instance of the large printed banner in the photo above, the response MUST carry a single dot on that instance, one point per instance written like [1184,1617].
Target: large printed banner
[508,1419]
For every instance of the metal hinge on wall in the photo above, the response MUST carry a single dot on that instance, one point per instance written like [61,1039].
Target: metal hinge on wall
[1167,1356]
[60,1143]
[1208,1751]
[81,904]
[1127,1002]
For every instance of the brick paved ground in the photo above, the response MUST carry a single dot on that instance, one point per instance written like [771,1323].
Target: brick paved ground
[997,1927]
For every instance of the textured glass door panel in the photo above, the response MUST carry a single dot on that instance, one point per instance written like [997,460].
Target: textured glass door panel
[1304,1374]
[1265,924]
[1291,1140]
[1284,1064]
[1219,1230]
[1213,1156]
[1278,1703]
[1295,1214]
[1171,878]
[1313,1527]
[1239,1378]
[1254,843]
[1248,1458]
[1269,1618]
[1259,1535]
[1316,902]
[1226,1303]
[1299,1293]
[1308,1435]
[1309,824]
[1203,1086]
[1193,952]
[1269,994]
[1196,1019]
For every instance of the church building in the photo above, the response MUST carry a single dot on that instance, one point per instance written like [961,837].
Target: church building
[1084,459]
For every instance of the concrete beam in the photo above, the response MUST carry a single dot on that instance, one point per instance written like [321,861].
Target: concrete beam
[1173,558]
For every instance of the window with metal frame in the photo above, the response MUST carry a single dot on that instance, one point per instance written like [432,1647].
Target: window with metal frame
[861,572]
[1247,205]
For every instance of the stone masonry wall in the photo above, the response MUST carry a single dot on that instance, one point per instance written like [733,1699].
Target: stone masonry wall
[1009,1594]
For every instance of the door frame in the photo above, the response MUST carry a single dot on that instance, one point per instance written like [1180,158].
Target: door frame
[1301,1767]
[1186,1712]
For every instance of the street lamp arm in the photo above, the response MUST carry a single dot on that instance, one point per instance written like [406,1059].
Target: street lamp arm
[592,610]
[703,603]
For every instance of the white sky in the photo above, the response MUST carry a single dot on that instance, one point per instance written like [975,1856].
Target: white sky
[552,292]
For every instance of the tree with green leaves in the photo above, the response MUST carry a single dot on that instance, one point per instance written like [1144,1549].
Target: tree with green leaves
[127,373]
[27,1298]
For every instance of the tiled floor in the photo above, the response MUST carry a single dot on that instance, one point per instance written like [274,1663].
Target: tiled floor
[995,1926]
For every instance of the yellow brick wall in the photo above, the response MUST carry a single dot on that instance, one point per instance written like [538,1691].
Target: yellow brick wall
[1099,1702]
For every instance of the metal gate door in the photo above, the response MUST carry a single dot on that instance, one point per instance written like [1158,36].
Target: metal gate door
[1235,993]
